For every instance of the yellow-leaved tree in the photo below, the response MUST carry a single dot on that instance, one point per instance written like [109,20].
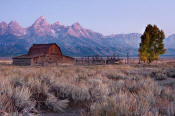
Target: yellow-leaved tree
[151,46]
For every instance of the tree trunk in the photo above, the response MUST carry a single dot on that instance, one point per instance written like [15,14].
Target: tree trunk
[149,61]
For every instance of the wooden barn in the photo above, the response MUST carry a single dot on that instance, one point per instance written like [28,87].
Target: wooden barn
[42,54]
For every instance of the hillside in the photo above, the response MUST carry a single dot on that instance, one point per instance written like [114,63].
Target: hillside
[74,40]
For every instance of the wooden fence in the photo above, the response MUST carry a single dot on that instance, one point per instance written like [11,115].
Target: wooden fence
[97,60]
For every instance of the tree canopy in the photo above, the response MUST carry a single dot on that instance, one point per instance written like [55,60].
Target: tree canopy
[151,46]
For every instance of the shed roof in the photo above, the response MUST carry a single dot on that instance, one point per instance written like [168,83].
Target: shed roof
[26,56]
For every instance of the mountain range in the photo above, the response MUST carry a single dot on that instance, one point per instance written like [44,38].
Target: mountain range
[73,40]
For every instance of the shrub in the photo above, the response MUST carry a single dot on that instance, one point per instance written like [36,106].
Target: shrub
[115,75]
[159,75]
[56,105]
[171,73]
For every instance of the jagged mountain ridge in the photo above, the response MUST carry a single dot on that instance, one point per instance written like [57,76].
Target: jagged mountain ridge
[74,40]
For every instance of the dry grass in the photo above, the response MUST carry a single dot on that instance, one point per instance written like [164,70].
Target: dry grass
[111,90]
[5,61]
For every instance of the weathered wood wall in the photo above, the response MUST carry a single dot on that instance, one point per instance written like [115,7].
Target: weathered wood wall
[22,62]
[54,50]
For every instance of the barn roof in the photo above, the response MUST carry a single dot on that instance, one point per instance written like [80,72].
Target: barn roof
[41,49]
[37,50]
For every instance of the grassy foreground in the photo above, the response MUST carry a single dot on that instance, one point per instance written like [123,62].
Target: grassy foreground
[111,90]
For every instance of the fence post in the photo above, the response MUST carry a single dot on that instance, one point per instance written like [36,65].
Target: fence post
[127,58]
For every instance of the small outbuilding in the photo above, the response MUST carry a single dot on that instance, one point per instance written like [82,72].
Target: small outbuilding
[42,54]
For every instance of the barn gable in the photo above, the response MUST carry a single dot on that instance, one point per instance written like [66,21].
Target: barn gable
[41,49]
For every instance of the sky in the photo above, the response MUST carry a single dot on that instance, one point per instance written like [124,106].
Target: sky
[104,16]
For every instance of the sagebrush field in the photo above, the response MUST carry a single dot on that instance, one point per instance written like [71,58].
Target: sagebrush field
[99,90]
